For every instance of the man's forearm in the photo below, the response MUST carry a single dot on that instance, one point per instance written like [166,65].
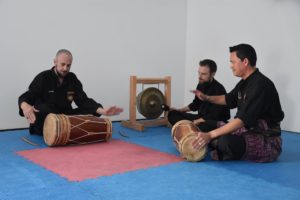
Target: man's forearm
[24,105]
[220,100]
[227,128]
[184,109]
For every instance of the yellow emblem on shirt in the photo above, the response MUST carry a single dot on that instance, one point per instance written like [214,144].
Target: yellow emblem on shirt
[70,95]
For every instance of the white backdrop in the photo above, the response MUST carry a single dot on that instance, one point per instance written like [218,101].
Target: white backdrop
[271,26]
[110,40]
[113,39]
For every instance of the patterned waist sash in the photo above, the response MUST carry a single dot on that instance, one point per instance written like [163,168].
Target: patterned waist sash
[262,129]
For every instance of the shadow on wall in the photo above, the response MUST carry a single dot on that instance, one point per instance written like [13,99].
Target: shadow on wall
[282,84]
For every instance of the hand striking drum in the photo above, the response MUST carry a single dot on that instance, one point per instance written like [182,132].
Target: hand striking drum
[184,133]
[60,129]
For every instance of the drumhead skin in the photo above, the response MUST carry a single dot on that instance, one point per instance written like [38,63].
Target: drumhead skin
[56,129]
[184,133]
[188,152]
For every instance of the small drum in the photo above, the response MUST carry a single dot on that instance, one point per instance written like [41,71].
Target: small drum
[62,129]
[184,132]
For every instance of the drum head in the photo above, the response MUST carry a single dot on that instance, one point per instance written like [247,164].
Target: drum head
[188,151]
[180,123]
[56,129]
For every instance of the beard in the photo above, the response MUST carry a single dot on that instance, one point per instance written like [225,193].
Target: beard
[201,81]
[62,74]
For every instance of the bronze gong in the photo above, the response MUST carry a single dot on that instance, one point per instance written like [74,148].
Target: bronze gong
[149,103]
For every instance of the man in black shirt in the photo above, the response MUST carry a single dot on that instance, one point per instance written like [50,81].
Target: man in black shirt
[208,113]
[254,133]
[53,91]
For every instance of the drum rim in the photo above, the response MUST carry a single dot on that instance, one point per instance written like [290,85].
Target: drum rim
[49,139]
[62,128]
[65,139]
[180,122]
[108,129]
[201,153]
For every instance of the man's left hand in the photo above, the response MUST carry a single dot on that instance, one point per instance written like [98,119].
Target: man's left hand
[113,110]
[201,140]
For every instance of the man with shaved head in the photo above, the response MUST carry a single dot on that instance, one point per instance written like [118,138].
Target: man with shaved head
[53,91]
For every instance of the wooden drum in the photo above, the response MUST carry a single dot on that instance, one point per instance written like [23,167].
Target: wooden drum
[60,129]
[184,132]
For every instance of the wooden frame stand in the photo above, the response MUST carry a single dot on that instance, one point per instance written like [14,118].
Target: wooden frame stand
[141,124]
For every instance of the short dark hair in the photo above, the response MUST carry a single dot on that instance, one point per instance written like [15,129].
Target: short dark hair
[210,64]
[245,51]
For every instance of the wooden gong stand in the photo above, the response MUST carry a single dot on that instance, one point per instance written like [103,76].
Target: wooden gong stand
[141,124]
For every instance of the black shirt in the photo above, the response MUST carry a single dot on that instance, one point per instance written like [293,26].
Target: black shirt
[256,98]
[209,111]
[46,89]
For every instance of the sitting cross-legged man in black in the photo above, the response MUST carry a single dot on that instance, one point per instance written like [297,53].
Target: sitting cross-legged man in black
[53,91]
[208,113]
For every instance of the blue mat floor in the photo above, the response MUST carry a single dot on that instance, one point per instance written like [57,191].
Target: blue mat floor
[22,179]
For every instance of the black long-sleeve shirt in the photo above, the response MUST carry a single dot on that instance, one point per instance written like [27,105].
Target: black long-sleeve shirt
[209,111]
[256,98]
[46,89]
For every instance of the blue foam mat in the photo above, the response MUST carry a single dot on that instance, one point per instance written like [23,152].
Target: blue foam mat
[22,179]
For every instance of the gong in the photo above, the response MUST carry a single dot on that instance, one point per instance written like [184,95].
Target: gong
[149,103]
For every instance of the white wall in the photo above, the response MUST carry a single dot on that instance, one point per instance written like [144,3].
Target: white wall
[110,40]
[271,26]
[113,39]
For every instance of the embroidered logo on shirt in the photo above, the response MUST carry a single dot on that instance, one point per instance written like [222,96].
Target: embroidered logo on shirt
[51,91]
[242,98]
[239,95]
[70,95]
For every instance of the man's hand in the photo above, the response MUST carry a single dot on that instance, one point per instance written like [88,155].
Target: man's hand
[113,110]
[199,94]
[173,108]
[29,112]
[198,121]
[201,140]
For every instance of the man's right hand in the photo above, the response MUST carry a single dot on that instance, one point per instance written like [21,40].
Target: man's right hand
[110,111]
[198,121]
[200,95]
[29,112]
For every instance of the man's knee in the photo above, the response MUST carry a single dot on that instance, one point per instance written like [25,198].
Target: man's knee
[46,109]
[231,147]
[173,116]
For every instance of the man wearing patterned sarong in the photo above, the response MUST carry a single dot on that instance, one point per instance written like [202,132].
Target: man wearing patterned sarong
[254,134]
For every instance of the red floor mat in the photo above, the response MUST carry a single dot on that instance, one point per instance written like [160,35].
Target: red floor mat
[77,163]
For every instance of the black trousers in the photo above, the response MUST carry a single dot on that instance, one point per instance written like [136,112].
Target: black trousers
[174,116]
[228,147]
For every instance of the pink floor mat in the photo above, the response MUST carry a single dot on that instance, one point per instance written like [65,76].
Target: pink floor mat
[77,163]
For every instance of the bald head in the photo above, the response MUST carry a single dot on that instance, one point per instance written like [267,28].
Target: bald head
[64,51]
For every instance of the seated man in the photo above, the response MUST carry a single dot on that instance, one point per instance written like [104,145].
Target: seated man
[254,133]
[208,113]
[53,91]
